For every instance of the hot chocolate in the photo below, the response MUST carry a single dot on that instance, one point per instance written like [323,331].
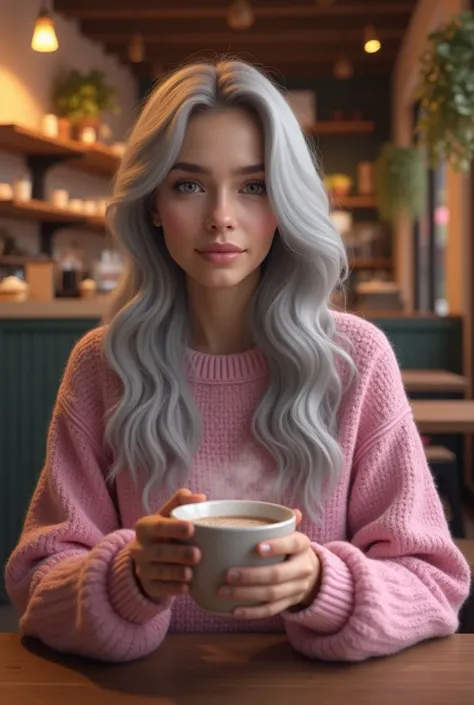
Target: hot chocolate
[233,521]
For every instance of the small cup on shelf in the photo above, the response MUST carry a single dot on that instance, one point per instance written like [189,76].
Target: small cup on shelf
[22,189]
[6,192]
[89,207]
[49,125]
[76,205]
[87,288]
[60,198]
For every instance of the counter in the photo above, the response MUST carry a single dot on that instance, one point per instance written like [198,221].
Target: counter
[93,308]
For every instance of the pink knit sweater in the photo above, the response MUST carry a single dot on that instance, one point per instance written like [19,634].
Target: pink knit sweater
[391,573]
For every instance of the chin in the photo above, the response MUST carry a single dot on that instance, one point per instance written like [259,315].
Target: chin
[223,281]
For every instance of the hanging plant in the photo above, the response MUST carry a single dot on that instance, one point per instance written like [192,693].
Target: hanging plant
[400,182]
[446,92]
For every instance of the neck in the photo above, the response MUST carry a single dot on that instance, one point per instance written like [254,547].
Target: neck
[220,317]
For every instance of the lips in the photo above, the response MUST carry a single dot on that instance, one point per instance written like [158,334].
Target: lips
[220,253]
[220,248]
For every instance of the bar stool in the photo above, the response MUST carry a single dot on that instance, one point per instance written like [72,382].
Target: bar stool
[443,465]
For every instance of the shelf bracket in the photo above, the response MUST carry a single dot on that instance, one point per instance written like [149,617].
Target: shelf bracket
[46,234]
[39,165]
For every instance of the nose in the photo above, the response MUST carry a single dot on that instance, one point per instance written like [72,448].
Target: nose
[221,218]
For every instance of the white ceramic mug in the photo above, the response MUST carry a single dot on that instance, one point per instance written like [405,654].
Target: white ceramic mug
[226,547]
[6,192]
[22,190]
[60,198]
[76,205]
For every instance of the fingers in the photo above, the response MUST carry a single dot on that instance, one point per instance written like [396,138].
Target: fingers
[293,569]
[183,496]
[156,589]
[264,611]
[151,572]
[166,553]
[299,517]
[151,529]
[288,545]
[266,594]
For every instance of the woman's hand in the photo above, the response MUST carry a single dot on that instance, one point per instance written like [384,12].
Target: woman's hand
[293,583]
[163,567]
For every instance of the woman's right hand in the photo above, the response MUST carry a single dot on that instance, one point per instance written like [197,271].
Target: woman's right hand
[163,566]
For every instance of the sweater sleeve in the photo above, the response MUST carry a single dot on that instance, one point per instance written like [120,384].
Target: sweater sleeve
[71,575]
[400,578]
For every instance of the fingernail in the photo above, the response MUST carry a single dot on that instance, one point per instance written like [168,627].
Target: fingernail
[265,548]
[225,591]
[234,575]
[190,553]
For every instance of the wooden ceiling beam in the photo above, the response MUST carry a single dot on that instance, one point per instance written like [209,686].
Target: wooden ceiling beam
[147,10]
[268,58]
[387,23]
[253,39]
[281,71]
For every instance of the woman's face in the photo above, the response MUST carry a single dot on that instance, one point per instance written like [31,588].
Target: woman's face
[216,216]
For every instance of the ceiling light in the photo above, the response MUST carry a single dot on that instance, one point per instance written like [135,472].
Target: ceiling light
[343,69]
[372,43]
[240,14]
[44,35]
[136,48]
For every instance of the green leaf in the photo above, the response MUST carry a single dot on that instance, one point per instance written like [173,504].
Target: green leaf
[446,93]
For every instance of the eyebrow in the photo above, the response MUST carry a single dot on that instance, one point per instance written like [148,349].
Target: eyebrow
[196,169]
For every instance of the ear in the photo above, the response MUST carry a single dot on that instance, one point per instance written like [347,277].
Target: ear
[155,218]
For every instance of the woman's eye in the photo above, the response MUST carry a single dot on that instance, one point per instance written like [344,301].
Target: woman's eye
[255,188]
[187,187]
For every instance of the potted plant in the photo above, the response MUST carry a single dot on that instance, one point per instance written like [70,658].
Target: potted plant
[339,185]
[400,182]
[446,92]
[82,98]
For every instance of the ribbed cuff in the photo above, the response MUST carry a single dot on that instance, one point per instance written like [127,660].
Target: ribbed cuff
[334,603]
[126,598]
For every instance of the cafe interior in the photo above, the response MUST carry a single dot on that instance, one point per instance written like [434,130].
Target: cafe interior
[369,85]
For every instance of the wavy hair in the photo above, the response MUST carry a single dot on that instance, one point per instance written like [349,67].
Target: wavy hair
[155,426]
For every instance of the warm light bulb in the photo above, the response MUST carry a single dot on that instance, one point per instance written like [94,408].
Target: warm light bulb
[343,69]
[372,46]
[240,14]
[44,35]
[136,48]
[372,43]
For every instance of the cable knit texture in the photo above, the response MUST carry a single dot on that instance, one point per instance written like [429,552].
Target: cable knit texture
[392,575]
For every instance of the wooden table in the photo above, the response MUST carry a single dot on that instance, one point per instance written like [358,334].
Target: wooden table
[237,669]
[435,381]
[444,415]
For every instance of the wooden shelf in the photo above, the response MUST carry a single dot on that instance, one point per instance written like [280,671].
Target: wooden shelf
[375,263]
[22,140]
[95,159]
[342,127]
[350,202]
[43,212]
[21,260]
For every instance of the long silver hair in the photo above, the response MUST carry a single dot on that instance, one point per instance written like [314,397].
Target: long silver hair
[155,425]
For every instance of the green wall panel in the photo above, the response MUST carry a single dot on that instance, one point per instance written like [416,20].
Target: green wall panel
[425,343]
[33,356]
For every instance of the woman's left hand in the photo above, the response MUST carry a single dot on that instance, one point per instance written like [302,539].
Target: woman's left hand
[294,582]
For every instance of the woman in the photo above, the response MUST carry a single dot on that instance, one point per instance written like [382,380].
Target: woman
[221,370]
